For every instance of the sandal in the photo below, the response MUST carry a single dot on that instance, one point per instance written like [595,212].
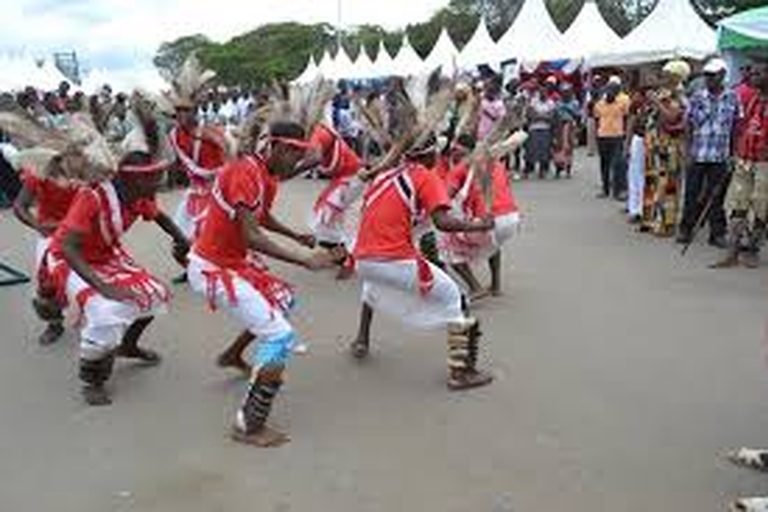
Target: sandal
[749,458]
[359,349]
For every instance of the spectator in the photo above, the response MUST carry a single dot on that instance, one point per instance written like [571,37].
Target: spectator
[541,116]
[492,109]
[712,119]
[566,121]
[611,112]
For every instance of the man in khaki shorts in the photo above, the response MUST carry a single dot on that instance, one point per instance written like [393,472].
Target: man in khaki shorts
[747,199]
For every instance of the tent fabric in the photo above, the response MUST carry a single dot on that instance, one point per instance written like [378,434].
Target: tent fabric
[310,72]
[589,34]
[443,55]
[407,62]
[341,67]
[384,63]
[533,36]
[672,30]
[748,29]
[480,49]
[363,68]
[326,65]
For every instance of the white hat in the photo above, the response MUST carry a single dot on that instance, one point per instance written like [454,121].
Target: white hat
[615,80]
[714,66]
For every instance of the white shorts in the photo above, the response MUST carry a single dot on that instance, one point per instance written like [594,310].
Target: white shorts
[393,287]
[188,224]
[105,321]
[250,308]
[505,228]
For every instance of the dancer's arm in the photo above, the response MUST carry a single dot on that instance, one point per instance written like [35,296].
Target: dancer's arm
[72,248]
[444,221]
[258,241]
[270,223]
[22,208]
[180,243]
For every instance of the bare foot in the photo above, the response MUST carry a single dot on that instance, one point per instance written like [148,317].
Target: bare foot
[143,355]
[265,437]
[495,292]
[51,334]
[226,360]
[729,262]
[359,349]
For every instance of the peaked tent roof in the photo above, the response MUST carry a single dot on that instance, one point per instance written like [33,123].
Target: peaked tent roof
[310,72]
[407,62]
[444,54]
[384,65]
[480,49]
[748,29]
[326,65]
[533,35]
[673,29]
[589,34]
[363,67]
[342,67]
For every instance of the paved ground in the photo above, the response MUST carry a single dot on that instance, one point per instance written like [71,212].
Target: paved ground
[624,371]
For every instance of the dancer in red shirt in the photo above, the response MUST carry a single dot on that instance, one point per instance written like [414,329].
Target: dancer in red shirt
[397,278]
[49,187]
[118,299]
[226,268]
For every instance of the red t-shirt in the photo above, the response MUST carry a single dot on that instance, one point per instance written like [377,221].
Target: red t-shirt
[386,227]
[337,158]
[201,157]
[752,141]
[503,197]
[457,177]
[53,198]
[243,182]
[442,168]
[101,218]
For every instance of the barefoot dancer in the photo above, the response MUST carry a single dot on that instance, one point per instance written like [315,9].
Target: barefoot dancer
[49,187]
[118,299]
[398,280]
[224,268]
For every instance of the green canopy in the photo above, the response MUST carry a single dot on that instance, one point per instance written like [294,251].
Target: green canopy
[748,29]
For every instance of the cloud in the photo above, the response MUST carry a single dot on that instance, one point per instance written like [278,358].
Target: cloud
[125,33]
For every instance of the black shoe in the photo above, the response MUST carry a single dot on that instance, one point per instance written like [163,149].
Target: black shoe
[684,238]
[718,241]
[602,195]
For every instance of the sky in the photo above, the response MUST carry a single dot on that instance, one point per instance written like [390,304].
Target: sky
[124,34]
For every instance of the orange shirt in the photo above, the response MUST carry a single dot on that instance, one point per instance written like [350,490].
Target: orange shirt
[386,227]
[53,198]
[503,197]
[611,117]
[337,158]
[243,182]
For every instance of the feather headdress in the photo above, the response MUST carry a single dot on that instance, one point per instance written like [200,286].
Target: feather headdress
[189,84]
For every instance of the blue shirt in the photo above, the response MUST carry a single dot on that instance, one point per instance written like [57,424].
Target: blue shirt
[712,119]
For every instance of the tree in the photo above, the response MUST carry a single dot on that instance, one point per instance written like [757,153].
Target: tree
[170,56]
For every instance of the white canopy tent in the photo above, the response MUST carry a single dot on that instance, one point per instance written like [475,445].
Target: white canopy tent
[444,54]
[407,62]
[384,65]
[326,65]
[18,72]
[342,68]
[589,34]
[480,49]
[363,67]
[310,72]
[672,29]
[533,36]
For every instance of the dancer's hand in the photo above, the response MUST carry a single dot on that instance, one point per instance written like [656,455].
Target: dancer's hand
[488,222]
[321,260]
[307,240]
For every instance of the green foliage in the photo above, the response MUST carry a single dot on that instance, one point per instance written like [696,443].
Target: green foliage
[280,51]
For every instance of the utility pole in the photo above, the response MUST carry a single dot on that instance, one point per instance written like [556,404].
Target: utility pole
[338,25]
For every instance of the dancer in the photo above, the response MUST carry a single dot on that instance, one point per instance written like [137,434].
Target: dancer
[397,279]
[338,162]
[201,150]
[49,187]
[226,269]
[117,298]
